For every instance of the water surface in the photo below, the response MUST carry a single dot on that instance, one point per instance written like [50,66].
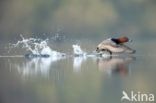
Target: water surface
[75,79]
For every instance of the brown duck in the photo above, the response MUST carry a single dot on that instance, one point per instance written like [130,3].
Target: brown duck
[114,45]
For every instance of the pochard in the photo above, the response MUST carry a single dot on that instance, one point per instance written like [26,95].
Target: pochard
[114,45]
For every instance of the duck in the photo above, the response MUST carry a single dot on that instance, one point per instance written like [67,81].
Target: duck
[115,45]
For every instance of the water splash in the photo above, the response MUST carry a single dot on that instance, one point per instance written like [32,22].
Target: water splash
[37,47]
[78,51]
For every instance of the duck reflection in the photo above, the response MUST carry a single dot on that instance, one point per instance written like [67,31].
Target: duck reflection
[42,66]
[117,65]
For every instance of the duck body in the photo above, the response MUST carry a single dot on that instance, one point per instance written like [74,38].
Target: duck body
[114,45]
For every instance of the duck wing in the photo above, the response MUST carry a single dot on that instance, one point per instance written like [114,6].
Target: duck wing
[109,42]
[127,49]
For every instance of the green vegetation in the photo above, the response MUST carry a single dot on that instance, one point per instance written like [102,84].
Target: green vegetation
[78,18]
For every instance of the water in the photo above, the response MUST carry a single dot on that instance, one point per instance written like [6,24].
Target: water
[72,73]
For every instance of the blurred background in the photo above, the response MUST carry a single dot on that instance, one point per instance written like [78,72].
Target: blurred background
[76,80]
[78,18]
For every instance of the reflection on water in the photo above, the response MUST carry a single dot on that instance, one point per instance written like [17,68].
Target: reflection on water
[115,65]
[42,66]
[77,62]
[74,78]
[36,66]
